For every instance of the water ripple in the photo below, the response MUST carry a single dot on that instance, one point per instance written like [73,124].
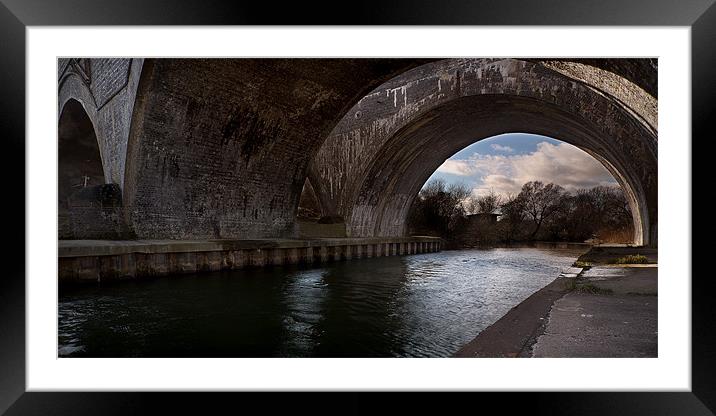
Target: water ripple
[424,305]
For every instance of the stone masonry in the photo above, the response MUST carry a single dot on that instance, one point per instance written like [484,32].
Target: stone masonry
[221,148]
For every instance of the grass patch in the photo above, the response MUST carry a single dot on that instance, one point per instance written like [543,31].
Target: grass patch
[572,286]
[582,264]
[592,289]
[631,259]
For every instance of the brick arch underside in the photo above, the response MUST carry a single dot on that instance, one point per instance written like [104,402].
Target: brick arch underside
[87,206]
[529,99]
[219,148]
[381,207]
[79,160]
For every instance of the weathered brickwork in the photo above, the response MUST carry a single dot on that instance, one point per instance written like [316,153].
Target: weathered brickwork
[379,155]
[643,72]
[109,262]
[107,90]
[94,212]
[219,148]
[62,64]
[637,100]
[110,76]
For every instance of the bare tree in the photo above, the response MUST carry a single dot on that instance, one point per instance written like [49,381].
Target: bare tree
[484,204]
[513,215]
[439,208]
[541,202]
[538,211]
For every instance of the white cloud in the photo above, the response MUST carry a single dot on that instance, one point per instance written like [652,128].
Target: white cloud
[500,148]
[457,167]
[561,163]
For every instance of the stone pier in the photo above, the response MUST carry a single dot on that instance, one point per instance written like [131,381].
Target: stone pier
[104,260]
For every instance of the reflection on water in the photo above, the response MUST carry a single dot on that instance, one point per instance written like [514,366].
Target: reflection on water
[425,305]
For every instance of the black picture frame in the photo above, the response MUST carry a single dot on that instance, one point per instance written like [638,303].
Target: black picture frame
[15,15]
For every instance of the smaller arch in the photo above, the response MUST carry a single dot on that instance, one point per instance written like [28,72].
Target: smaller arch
[79,158]
[315,218]
[88,207]
[309,206]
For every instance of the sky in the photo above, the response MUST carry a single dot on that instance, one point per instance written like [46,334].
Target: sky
[504,163]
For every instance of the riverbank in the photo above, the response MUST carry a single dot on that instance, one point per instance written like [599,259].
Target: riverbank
[102,260]
[522,244]
[542,244]
[603,310]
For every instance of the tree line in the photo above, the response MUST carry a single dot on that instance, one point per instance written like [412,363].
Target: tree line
[540,212]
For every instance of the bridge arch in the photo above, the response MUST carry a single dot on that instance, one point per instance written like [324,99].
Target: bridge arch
[79,165]
[79,157]
[413,123]
[219,148]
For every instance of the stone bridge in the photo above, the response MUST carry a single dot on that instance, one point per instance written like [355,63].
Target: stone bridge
[197,149]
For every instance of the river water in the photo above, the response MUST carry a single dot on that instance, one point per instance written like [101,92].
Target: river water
[424,305]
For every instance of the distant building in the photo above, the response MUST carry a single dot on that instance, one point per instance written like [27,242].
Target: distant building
[479,229]
[482,218]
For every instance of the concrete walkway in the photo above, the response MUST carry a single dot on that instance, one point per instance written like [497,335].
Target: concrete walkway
[605,311]
[618,320]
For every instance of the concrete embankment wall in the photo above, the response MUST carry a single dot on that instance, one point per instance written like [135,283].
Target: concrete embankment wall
[102,260]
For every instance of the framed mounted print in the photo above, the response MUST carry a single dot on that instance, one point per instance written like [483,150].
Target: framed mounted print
[445,200]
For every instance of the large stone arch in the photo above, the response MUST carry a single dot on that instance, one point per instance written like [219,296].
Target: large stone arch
[219,148]
[387,145]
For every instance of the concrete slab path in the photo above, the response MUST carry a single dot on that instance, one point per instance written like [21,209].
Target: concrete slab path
[608,311]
